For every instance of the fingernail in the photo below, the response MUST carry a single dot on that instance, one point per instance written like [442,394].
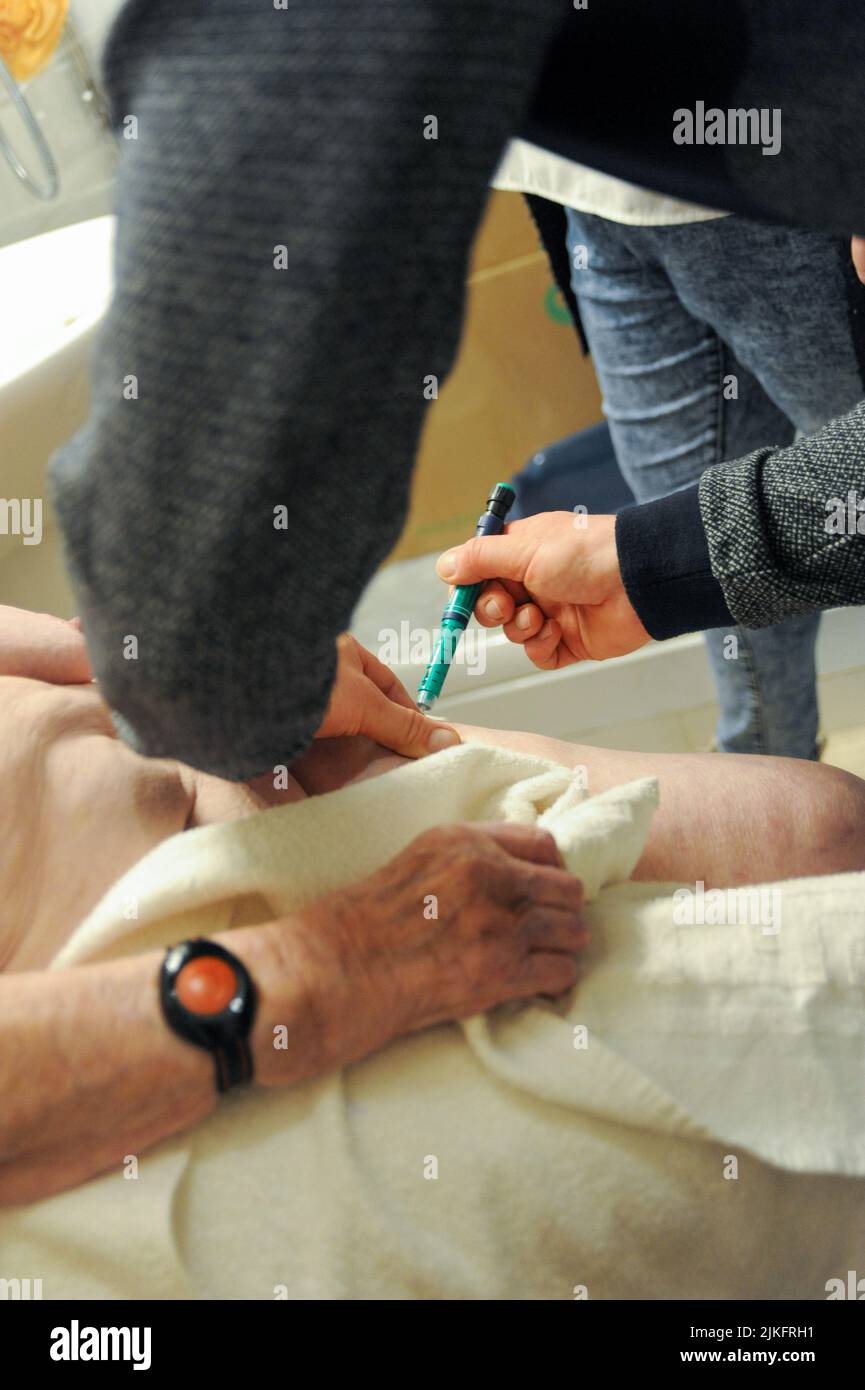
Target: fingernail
[524,618]
[442,738]
[546,631]
[493,609]
[447,565]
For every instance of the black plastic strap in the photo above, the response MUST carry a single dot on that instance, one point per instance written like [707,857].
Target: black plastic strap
[233,1065]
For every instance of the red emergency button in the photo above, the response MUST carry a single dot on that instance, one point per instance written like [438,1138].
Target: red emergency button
[206,985]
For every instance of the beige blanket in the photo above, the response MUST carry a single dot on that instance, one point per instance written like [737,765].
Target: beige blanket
[688,1125]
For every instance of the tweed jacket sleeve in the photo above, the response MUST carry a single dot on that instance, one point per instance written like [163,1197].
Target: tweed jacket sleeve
[786,527]
[757,540]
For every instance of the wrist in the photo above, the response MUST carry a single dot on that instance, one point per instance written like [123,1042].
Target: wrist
[301,998]
[601,551]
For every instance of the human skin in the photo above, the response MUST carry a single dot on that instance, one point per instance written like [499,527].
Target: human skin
[724,818]
[553,585]
[88,1070]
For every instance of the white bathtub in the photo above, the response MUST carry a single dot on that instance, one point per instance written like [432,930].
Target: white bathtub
[54,289]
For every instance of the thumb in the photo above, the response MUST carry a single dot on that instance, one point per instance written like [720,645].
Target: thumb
[406,731]
[42,647]
[485,557]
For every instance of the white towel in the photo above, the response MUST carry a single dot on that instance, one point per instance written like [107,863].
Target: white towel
[659,1135]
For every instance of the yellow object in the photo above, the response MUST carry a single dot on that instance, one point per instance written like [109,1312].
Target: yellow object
[520,382]
[29,33]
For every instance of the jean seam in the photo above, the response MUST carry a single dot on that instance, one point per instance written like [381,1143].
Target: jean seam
[752,697]
[754,691]
[720,418]
[758,723]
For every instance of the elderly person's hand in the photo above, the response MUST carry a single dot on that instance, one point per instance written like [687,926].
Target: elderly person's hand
[367,698]
[465,918]
[89,1071]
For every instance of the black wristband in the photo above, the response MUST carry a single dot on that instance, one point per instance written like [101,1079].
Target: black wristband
[208,998]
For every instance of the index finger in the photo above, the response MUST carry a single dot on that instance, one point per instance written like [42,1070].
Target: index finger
[527,842]
[387,680]
[506,595]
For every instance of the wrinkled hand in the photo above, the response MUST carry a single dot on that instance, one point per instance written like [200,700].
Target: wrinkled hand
[466,917]
[557,588]
[367,698]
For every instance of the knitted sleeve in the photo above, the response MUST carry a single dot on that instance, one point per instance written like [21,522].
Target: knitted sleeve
[298,188]
[786,527]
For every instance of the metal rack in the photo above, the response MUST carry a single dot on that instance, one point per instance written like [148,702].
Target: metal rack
[47,186]
[51,185]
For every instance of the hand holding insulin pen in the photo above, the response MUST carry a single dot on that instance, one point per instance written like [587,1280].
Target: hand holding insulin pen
[461,603]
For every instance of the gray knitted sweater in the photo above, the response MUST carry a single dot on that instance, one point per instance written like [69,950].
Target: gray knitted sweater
[290,263]
[290,259]
[785,527]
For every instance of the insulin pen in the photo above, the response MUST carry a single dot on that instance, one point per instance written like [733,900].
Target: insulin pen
[462,602]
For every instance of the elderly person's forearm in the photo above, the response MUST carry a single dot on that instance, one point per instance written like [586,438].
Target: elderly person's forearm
[91,1073]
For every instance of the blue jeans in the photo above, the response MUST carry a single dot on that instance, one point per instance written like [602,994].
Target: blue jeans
[711,340]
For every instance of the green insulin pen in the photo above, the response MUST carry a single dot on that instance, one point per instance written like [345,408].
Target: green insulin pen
[461,604]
